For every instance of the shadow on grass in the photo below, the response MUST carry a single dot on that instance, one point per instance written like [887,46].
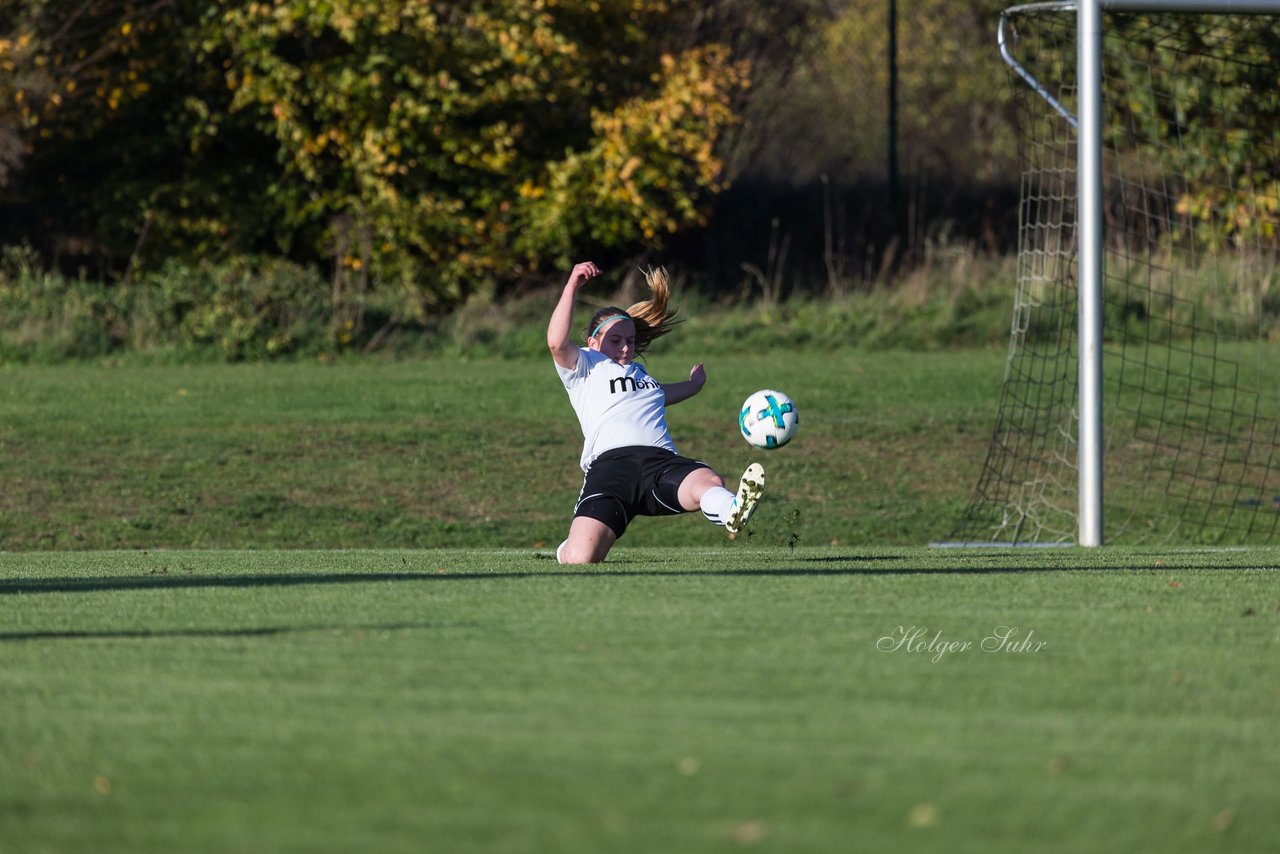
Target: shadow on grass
[18,586]
[154,634]
[21,586]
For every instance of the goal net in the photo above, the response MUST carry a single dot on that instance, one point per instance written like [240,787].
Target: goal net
[1190,288]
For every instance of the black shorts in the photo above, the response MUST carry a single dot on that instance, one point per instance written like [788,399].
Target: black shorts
[636,481]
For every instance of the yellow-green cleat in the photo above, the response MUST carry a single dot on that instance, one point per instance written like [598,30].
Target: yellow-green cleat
[750,491]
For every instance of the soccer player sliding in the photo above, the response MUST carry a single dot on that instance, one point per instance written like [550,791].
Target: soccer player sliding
[630,460]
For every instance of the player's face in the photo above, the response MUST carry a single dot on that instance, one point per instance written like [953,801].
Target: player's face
[617,341]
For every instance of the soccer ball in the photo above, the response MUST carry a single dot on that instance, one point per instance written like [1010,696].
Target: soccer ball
[768,419]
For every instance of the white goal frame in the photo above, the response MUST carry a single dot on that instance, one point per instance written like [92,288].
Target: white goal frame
[1089,213]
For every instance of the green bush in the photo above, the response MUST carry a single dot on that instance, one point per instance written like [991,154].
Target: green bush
[244,309]
[265,309]
[47,317]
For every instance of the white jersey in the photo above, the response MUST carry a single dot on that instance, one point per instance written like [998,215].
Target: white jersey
[617,405]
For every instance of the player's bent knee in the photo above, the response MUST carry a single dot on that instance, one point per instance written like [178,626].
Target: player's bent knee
[589,541]
[580,553]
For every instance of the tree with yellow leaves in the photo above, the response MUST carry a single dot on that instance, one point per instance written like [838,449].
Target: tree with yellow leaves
[433,147]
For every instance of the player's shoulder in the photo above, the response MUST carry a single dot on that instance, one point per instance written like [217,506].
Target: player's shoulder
[586,362]
[595,360]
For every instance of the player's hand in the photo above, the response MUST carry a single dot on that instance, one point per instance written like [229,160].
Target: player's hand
[698,375]
[581,274]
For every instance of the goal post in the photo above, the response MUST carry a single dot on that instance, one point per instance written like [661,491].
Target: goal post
[1148,243]
[1090,179]
[1089,290]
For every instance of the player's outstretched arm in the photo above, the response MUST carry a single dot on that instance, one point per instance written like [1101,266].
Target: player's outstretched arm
[559,334]
[677,392]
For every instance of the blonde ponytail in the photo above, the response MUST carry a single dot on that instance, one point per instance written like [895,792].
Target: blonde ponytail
[652,317]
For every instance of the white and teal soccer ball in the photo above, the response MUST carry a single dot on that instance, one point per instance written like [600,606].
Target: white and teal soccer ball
[768,419]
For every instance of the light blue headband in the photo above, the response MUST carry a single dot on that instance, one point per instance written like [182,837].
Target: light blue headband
[607,321]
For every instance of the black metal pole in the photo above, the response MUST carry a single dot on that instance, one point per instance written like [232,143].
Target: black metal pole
[893,223]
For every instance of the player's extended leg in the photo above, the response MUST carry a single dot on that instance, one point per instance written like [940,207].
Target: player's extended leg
[696,485]
[589,541]
[704,489]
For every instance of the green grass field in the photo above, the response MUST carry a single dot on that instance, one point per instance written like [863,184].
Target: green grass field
[314,608]
[452,453]
[671,700]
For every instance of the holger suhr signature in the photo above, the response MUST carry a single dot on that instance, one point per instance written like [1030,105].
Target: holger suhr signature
[918,639]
